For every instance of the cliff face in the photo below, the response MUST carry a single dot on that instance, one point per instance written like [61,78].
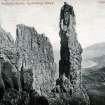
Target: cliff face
[6,40]
[35,53]
[26,64]
[9,75]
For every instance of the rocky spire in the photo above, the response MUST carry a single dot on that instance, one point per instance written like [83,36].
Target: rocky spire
[69,81]
[70,51]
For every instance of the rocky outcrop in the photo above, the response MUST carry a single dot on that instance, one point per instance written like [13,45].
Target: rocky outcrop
[69,83]
[26,64]
[70,52]
[9,75]
[35,53]
[6,40]
[29,64]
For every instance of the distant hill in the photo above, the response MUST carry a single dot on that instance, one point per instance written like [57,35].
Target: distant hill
[94,51]
[93,73]
[94,56]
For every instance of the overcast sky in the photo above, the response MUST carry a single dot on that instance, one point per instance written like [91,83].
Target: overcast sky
[90,19]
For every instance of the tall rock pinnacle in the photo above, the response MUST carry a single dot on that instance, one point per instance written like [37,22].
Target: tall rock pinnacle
[69,81]
[70,51]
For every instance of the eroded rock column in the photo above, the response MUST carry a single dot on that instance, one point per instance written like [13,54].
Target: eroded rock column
[70,51]
[70,62]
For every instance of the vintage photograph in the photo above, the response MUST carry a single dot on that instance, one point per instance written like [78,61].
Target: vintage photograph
[52,52]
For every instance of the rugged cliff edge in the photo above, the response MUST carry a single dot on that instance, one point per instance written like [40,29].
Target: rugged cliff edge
[36,53]
[26,66]
[9,75]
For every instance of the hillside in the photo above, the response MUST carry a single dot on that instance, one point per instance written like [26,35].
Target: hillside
[93,73]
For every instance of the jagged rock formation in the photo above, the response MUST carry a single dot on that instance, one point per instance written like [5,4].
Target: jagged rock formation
[70,62]
[6,41]
[69,82]
[9,77]
[35,52]
[26,64]
[29,64]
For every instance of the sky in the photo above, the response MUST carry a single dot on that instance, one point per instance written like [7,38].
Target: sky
[90,19]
